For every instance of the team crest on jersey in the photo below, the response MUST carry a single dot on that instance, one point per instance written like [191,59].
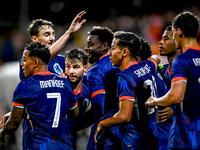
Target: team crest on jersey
[57,68]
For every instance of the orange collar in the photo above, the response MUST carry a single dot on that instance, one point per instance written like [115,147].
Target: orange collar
[42,73]
[133,63]
[191,47]
[76,93]
[103,56]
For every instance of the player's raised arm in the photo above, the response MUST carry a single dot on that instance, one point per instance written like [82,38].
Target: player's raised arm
[74,27]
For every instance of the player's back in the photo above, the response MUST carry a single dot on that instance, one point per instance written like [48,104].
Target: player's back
[49,98]
[143,80]
[189,69]
[185,129]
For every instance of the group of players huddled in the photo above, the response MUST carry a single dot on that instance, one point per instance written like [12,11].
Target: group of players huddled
[115,85]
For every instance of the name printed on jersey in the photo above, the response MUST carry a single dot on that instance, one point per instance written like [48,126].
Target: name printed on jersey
[142,71]
[51,83]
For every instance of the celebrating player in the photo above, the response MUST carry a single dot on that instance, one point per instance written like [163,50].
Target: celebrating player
[101,80]
[45,99]
[184,91]
[76,65]
[136,82]
[43,31]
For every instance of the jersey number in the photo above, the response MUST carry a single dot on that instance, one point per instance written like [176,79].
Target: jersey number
[153,87]
[57,111]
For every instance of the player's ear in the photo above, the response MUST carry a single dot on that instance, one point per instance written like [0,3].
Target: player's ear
[104,46]
[180,32]
[36,63]
[34,38]
[138,59]
[125,52]
[85,68]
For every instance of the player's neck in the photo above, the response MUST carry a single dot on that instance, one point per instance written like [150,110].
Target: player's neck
[77,86]
[42,68]
[125,62]
[187,42]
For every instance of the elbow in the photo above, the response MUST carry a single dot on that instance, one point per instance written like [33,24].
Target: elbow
[176,100]
[124,118]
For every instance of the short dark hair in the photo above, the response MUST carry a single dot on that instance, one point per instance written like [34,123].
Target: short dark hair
[104,34]
[78,54]
[188,22]
[168,28]
[145,49]
[36,25]
[39,50]
[128,40]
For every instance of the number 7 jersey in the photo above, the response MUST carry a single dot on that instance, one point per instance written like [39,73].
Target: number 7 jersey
[46,98]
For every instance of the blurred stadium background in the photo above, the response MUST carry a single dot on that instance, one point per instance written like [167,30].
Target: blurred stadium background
[147,18]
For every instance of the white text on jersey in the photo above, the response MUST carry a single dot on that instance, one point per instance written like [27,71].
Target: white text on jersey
[142,71]
[51,83]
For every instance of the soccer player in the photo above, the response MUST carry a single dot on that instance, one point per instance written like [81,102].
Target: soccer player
[164,118]
[101,80]
[45,99]
[136,82]
[43,31]
[167,48]
[184,91]
[76,64]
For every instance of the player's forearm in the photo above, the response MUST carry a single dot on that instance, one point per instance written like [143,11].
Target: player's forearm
[10,127]
[59,44]
[114,120]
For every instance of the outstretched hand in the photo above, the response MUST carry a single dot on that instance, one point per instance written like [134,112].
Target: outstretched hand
[76,24]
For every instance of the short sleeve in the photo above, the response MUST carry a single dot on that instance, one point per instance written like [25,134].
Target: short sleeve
[20,95]
[73,102]
[179,70]
[125,90]
[151,63]
[96,84]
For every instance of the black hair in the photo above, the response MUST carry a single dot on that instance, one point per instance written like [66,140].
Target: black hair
[39,50]
[188,23]
[129,40]
[104,34]
[36,25]
[168,28]
[145,49]
[78,54]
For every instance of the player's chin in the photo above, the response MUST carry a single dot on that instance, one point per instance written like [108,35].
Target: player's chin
[115,65]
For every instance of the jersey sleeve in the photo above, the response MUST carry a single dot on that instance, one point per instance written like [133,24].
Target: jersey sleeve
[96,84]
[125,90]
[151,63]
[179,70]
[73,102]
[20,95]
